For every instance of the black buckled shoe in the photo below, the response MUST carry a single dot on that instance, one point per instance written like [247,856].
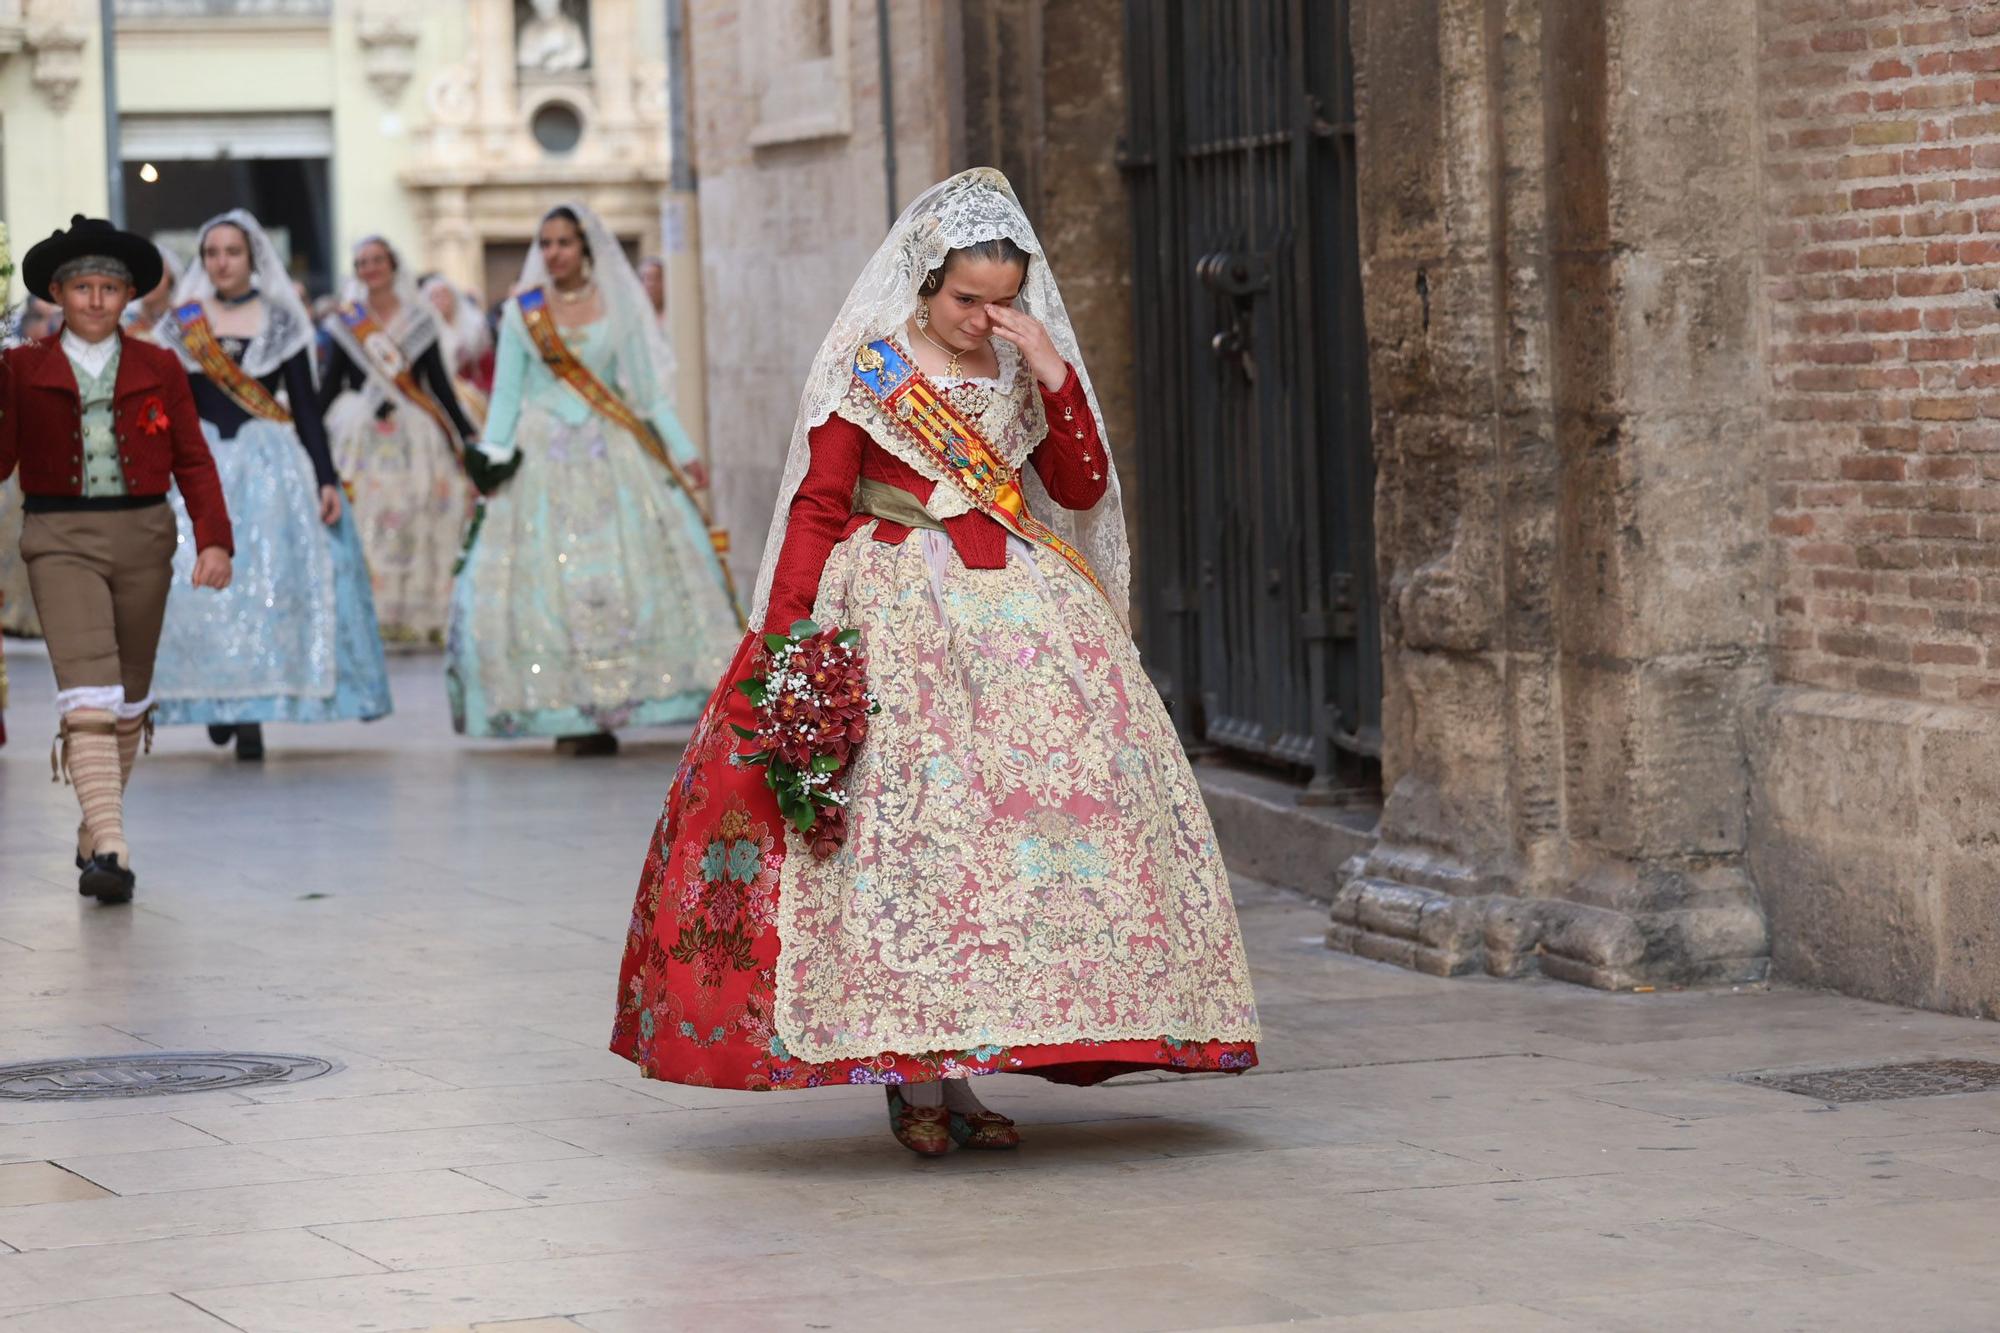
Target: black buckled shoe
[250,741]
[106,880]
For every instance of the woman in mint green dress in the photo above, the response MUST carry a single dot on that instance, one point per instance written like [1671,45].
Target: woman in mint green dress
[591,597]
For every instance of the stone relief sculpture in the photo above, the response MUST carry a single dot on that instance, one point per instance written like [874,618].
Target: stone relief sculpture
[550,40]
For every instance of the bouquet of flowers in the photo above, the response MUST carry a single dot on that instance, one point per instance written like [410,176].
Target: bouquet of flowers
[810,692]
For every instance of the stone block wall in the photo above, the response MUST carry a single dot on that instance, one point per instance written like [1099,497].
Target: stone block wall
[1560,257]
[794,191]
[1684,325]
[793,199]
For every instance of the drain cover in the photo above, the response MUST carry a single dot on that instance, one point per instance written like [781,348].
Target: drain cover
[150,1074]
[1882,1083]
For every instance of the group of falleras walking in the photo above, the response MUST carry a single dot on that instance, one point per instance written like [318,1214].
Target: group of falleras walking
[933,820]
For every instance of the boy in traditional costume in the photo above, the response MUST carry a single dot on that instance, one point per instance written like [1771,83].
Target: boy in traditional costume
[100,424]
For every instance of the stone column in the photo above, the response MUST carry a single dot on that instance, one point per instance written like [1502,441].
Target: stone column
[1560,268]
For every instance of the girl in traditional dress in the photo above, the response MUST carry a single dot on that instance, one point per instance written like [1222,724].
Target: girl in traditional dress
[466,342]
[1029,881]
[591,596]
[398,430]
[294,637]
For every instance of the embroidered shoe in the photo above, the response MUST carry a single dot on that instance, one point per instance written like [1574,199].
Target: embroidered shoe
[983,1129]
[921,1129]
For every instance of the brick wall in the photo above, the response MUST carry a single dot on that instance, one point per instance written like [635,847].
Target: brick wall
[1882,184]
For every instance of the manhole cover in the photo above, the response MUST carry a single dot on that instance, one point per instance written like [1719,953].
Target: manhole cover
[1882,1083]
[150,1074]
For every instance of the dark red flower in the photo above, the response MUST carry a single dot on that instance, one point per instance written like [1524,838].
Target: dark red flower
[153,417]
[829,831]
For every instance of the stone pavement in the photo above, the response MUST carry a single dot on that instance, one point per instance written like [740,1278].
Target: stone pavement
[443,921]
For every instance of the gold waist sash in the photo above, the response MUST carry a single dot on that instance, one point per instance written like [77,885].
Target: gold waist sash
[893,504]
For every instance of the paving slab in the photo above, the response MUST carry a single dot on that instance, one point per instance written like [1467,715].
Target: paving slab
[441,919]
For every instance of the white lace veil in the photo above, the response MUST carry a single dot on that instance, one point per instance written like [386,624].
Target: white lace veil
[288,328]
[973,206]
[625,299]
[465,335]
[413,329]
[415,326]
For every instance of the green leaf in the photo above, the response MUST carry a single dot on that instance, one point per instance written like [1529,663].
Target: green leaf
[758,760]
[826,763]
[804,629]
[802,820]
[775,642]
[751,689]
[848,638]
[746,733]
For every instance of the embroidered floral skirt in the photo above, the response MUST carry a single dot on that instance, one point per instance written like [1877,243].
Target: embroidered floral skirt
[411,503]
[1030,881]
[293,637]
[590,598]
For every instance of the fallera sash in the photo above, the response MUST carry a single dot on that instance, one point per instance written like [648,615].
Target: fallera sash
[389,362]
[972,464]
[565,366]
[223,372]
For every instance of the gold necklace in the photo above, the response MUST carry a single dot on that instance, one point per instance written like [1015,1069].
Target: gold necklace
[583,293]
[951,365]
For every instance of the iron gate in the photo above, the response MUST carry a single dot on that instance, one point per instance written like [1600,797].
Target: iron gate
[1258,606]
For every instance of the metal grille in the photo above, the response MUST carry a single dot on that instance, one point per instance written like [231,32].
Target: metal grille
[150,1074]
[1258,605]
[1881,1083]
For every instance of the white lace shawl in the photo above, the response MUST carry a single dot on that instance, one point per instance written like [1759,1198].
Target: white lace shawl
[971,207]
[411,332]
[288,328]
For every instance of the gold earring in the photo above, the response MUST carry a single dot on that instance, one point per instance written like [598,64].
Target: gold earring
[923,314]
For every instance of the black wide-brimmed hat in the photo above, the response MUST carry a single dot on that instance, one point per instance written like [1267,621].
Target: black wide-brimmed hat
[88,238]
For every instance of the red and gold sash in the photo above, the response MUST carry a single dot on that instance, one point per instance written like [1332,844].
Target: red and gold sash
[928,419]
[223,372]
[565,366]
[387,357]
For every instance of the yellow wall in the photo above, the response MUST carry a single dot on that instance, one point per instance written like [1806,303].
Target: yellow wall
[224,68]
[54,161]
[373,137]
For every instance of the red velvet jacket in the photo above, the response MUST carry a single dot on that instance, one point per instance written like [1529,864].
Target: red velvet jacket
[1070,461]
[152,409]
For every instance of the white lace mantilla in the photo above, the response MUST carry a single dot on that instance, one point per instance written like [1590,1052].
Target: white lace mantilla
[968,209]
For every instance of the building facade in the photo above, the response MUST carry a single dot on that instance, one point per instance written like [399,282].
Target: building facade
[1682,328]
[1567,424]
[1668,527]
[816,121]
[446,127]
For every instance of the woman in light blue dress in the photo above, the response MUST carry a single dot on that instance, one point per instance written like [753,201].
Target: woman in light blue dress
[591,597]
[294,638]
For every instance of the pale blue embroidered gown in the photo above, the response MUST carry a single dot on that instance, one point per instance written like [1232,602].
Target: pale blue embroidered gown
[293,638]
[591,597]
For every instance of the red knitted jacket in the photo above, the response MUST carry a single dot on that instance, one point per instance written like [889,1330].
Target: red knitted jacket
[1070,461]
